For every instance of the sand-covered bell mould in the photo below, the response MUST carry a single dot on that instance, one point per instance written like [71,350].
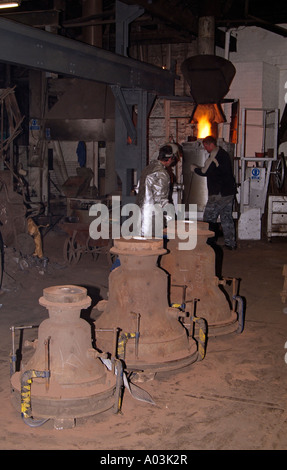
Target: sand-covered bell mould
[65,378]
[150,335]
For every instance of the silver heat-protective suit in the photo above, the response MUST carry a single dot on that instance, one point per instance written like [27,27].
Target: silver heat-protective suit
[154,192]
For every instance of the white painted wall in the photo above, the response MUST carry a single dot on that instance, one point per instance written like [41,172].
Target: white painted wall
[258,45]
[261,73]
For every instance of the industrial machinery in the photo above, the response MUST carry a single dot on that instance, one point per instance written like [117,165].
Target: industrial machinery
[17,213]
[76,226]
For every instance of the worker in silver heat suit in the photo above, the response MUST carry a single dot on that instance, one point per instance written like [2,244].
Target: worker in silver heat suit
[154,190]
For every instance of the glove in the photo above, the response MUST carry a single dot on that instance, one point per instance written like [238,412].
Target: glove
[168,218]
[192,168]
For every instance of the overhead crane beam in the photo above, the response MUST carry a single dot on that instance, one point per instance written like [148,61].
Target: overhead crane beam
[37,49]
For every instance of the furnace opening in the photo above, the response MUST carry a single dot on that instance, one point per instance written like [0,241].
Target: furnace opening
[206,117]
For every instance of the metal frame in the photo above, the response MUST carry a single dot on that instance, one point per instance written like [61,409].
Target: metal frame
[269,160]
[132,82]
[130,136]
[37,49]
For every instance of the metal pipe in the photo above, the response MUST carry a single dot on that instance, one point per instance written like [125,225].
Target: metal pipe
[183,301]
[47,361]
[119,384]
[121,350]
[234,289]
[26,409]
[13,357]
[115,340]
[202,337]
[138,315]
[92,34]
[206,35]
[227,44]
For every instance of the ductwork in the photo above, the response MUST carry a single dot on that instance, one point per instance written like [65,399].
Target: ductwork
[209,77]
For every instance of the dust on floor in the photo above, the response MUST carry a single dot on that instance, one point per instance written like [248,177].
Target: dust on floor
[234,399]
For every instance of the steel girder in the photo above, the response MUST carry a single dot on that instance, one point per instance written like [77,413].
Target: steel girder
[33,48]
[132,110]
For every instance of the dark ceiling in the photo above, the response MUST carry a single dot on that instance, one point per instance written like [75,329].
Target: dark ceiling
[158,21]
[162,21]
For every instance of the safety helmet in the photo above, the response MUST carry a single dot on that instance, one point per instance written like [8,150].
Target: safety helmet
[169,150]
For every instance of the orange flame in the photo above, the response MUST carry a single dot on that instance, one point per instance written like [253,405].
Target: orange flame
[203,127]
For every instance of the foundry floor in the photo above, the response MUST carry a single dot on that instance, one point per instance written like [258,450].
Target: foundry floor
[234,399]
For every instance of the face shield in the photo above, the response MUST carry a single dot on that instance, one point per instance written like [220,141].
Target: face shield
[170,150]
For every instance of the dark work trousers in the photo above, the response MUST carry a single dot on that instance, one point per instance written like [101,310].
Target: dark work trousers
[218,205]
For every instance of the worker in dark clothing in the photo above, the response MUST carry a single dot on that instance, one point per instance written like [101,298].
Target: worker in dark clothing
[221,191]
